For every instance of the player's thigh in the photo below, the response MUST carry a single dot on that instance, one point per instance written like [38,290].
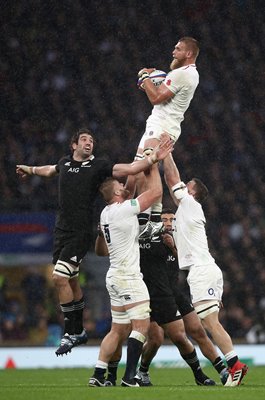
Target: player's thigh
[126,291]
[70,247]
[206,283]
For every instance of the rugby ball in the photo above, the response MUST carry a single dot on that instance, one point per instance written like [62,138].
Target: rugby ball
[157,77]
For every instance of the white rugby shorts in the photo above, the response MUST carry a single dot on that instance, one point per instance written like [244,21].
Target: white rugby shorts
[124,290]
[205,282]
[154,132]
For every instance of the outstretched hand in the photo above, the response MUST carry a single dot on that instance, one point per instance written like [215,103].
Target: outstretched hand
[23,170]
[164,148]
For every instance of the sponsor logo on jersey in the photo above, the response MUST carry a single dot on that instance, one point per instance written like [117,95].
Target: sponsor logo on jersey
[168,82]
[170,258]
[133,202]
[68,163]
[127,297]
[144,245]
[73,259]
[74,170]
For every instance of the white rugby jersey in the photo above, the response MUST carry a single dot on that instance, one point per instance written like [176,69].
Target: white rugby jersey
[120,226]
[189,232]
[169,115]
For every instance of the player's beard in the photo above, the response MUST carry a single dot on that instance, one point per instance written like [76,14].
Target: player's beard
[175,64]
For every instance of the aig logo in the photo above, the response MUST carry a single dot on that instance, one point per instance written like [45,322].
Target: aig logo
[75,170]
[145,246]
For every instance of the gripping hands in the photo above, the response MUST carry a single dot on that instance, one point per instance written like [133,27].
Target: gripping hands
[143,74]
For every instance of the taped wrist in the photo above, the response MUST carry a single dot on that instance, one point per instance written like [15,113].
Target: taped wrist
[142,75]
[179,190]
[152,159]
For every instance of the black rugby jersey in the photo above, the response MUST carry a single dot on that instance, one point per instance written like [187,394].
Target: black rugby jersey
[159,267]
[79,182]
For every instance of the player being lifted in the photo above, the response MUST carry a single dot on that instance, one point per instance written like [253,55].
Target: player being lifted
[171,99]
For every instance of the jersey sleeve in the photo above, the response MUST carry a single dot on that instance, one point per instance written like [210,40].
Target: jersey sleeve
[106,168]
[60,162]
[180,190]
[129,208]
[175,80]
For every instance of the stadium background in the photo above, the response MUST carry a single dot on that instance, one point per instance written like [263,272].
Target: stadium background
[69,64]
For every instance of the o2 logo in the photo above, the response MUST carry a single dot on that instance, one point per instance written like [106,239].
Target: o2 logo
[211,292]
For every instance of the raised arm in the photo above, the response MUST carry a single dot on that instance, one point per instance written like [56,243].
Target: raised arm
[172,176]
[45,170]
[164,148]
[171,172]
[153,190]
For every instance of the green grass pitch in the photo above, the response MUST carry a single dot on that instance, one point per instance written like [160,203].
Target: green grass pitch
[169,384]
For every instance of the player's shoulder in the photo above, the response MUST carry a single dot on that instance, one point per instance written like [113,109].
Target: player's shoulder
[130,204]
[184,71]
[65,158]
[133,202]
[102,161]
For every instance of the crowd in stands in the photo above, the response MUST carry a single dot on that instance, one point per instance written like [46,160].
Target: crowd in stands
[68,65]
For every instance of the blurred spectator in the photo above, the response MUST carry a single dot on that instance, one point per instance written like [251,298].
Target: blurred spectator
[14,327]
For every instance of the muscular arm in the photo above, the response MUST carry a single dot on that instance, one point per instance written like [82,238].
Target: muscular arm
[157,94]
[131,185]
[101,248]
[171,172]
[171,175]
[160,152]
[134,168]
[169,242]
[153,191]
[45,170]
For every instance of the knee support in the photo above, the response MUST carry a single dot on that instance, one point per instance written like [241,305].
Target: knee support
[65,270]
[141,311]
[138,336]
[120,317]
[207,308]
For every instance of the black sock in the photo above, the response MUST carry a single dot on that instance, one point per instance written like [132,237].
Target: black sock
[144,367]
[78,309]
[99,373]
[69,317]
[134,350]
[193,361]
[219,365]
[155,216]
[143,218]
[232,361]
[112,371]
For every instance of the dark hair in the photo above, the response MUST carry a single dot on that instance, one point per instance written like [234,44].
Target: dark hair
[75,137]
[200,189]
[167,211]
[192,44]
